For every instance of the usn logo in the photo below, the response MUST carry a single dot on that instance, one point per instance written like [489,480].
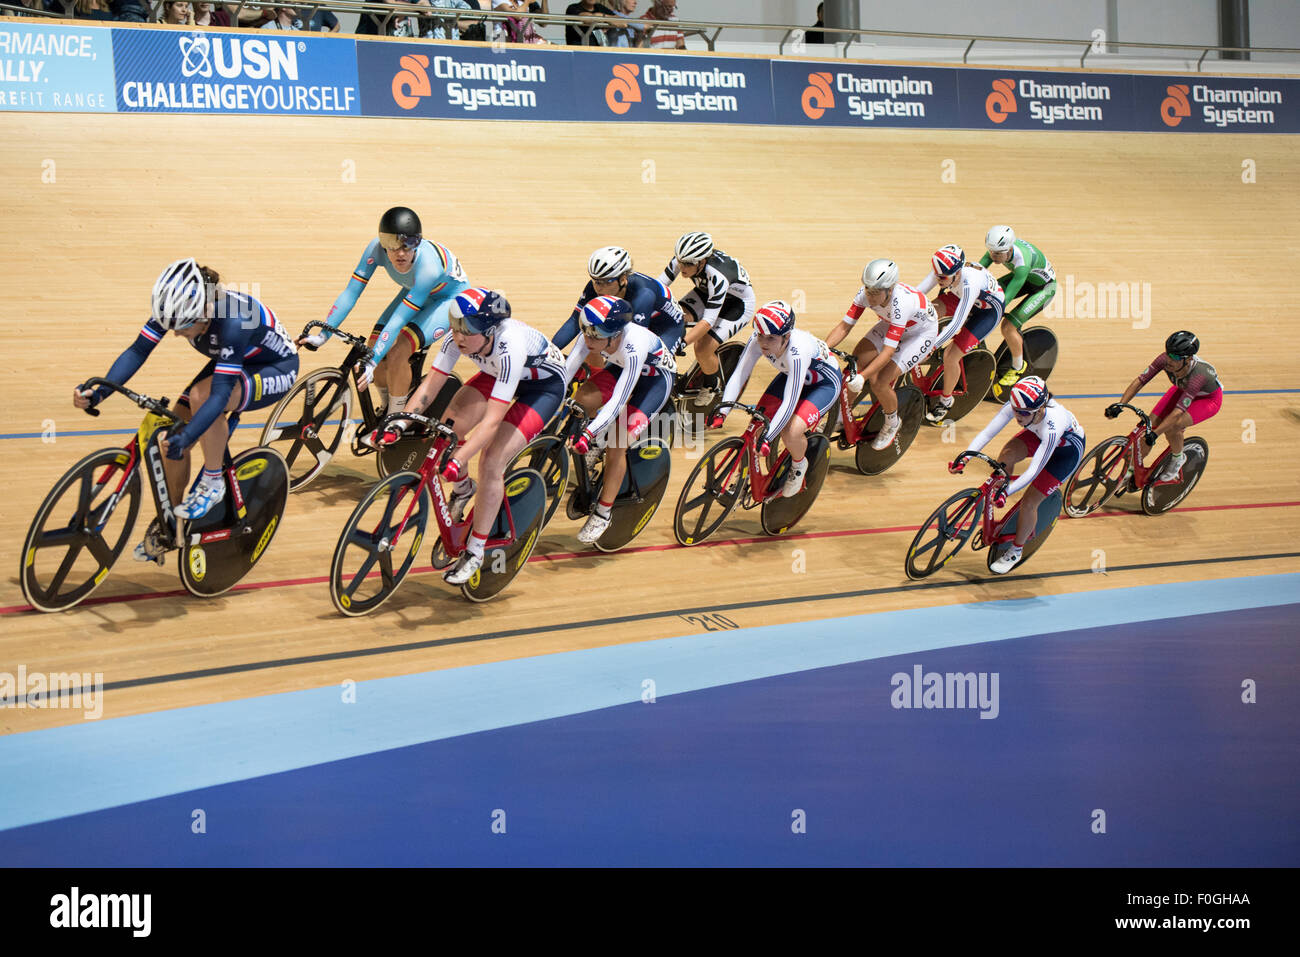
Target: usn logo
[231,57]
[1175,107]
[817,96]
[412,81]
[623,90]
[1002,101]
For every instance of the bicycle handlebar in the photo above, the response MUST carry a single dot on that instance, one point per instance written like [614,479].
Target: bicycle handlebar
[430,426]
[347,337]
[850,358]
[156,406]
[998,467]
[753,410]
[1146,419]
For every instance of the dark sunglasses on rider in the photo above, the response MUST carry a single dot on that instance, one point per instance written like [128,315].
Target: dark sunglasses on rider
[395,241]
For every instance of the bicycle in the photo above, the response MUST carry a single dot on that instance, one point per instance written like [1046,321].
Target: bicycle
[731,474]
[388,526]
[1041,349]
[859,430]
[1114,467]
[315,413]
[648,465]
[977,375]
[952,524]
[216,550]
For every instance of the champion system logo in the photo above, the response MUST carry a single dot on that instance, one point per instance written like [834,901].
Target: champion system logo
[1002,101]
[817,96]
[623,90]
[1175,107]
[412,81]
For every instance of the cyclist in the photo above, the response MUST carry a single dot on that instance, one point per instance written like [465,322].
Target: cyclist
[1048,432]
[808,384]
[633,386]
[1194,396]
[904,335]
[653,306]
[251,364]
[1032,277]
[519,387]
[720,305]
[429,275]
[978,309]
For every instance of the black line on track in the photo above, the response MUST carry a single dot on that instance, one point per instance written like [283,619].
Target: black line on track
[645,616]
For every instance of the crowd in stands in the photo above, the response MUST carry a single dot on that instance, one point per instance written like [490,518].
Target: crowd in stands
[615,23]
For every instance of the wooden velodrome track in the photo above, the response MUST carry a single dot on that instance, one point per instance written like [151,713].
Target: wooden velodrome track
[268,200]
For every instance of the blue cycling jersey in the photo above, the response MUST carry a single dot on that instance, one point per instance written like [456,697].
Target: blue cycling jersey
[434,270]
[244,336]
[653,306]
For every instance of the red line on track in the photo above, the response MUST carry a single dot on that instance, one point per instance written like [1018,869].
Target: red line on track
[564,556]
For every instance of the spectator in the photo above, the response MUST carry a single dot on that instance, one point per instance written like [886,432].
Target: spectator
[476,30]
[93,10]
[32,5]
[211,15]
[436,27]
[176,12]
[816,37]
[521,29]
[664,10]
[573,35]
[634,34]
[322,21]
[286,18]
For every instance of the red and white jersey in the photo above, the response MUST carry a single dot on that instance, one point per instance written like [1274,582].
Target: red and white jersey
[1056,428]
[806,360]
[639,353]
[907,307]
[516,352]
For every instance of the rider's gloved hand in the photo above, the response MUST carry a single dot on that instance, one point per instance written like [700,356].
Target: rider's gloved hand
[391,434]
[365,373]
[957,465]
[453,471]
[582,443]
[1113,410]
[84,398]
[716,420]
[1000,496]
[175,446]
[765,449]
[1150,438]
[313,341]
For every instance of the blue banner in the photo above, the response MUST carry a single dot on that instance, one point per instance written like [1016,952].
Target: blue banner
[174,71]
[827,93]
[453,82]
[672,88]
[1214,104]
[1016,100]
[56,68]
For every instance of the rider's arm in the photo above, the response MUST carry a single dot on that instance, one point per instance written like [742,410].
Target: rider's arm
[130,361]
[431,274]
[926,284]
[569,331]
[986,260]
[627,380]
[855,310]
[575,360]
[744,367]
[798,364]
[959,317]
[671,272]
[893,337]
[224,379]
[998,423]
[1019,275]
[355,287]
[442,365]
[1145,376]
[502,395]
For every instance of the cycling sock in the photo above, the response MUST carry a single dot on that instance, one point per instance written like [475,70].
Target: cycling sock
[212,476]
[397,404]
[946,398]
[475,544]
[1017,361]
[603,509]
[891,418]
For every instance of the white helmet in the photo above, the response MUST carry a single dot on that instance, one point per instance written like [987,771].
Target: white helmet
[1000,239]
[880,274]
[609,263]
[179,295]
[694,248]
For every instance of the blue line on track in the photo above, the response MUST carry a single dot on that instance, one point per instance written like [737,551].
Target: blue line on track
[92,765]
[258,425]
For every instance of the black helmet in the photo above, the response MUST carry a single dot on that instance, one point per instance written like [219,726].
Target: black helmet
[400,227]
[1182,345]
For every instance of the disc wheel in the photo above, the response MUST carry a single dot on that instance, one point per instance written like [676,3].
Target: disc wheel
[779,515]
[1041,350]
[547,456]
[911,409]
[79,531]
[980,366]
[944,533]
[307,425]
[1159,497]
[1097,477]
[1049,510]
[714,487]
[368,545]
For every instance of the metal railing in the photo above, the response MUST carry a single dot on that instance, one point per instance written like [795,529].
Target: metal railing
[710,31]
